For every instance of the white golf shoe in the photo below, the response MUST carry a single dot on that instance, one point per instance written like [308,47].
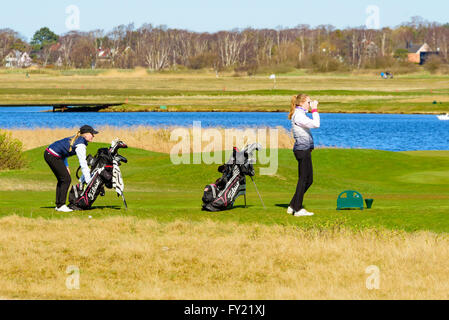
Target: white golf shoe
[64,208]
[303,213]
[290,210]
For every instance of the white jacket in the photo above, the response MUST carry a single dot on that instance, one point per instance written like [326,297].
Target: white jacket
[301,125]
[81,153]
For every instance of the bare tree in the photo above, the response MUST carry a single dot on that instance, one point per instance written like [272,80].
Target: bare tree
[229,46]
[160,47]
[67,45]
[155,45]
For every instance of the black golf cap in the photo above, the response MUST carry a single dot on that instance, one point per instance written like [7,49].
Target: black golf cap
[86,128]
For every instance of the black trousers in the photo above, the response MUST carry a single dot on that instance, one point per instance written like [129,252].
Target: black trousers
[59,169]
[305,177]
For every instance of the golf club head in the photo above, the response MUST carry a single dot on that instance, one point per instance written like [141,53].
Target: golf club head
[120,159]
[249,150]
[117,144]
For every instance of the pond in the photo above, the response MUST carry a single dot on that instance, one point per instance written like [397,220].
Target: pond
[393,132]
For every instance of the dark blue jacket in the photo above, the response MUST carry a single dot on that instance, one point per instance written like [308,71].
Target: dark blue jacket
[61,147]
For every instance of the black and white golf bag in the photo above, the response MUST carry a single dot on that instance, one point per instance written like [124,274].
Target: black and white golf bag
[105,172]
[222,194]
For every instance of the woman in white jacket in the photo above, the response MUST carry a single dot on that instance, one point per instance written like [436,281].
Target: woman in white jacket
[301,125]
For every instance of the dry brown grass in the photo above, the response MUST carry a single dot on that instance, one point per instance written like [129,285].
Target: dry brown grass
[15,184]
[128,258]
[147,138]
[140,79]
[138,89]
[115,73]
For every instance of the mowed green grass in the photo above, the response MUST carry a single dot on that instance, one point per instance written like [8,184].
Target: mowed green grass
[410,190]
[140,91]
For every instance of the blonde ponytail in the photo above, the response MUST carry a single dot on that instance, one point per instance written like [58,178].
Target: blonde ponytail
[292,107]
[296,101]
[73,140]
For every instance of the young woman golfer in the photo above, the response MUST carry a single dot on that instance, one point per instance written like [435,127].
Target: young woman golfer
[56,156]
[301,125]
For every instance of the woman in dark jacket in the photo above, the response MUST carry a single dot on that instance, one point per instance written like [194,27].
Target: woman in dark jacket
[56,157]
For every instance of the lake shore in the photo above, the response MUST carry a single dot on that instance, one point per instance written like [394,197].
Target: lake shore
[142,108]
[123,108]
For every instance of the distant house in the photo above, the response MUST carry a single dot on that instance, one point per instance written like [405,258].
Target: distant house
[25,60]
[103,57]
[56,51]
[419,53]
[104,53]
[12,58]
[56,47]
[370,48]
[17,59]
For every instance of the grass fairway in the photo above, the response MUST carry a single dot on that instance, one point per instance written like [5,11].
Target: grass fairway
[139,90]
[409,189]
[165,247]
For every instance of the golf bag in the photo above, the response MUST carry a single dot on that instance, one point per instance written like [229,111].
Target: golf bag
[105,172]
[222,194]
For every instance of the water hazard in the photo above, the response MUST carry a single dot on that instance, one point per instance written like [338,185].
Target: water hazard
[392,132]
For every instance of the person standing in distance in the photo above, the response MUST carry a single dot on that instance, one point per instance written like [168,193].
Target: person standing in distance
[56,157]
[301,125]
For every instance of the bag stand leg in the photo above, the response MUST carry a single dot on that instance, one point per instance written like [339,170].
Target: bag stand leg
[257,192]
[124,201]
[244,195]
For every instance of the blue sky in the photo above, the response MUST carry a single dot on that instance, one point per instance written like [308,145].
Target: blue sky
[212,15]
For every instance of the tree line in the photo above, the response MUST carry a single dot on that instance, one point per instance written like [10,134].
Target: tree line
[322,48]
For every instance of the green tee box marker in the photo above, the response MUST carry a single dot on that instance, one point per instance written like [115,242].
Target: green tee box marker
[350,199]
[163,107]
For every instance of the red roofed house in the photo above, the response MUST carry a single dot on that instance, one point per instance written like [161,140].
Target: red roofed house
[419,54]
